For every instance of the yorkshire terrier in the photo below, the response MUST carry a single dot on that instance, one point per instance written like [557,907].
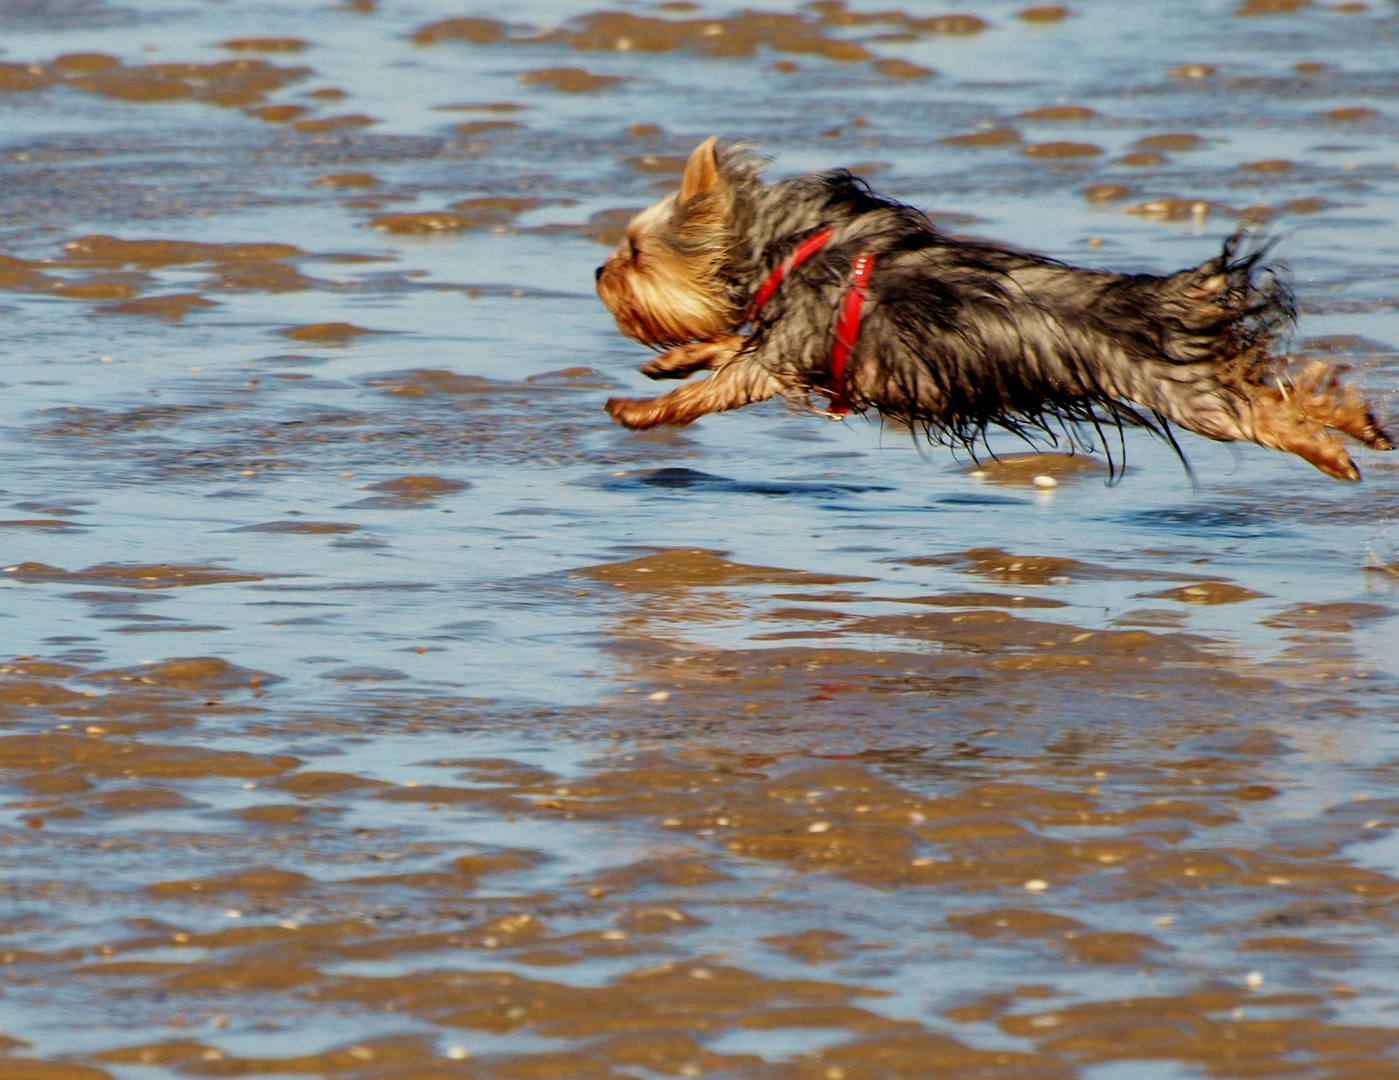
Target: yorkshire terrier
[860,300]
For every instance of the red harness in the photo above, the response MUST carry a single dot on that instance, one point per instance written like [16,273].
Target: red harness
[847,324]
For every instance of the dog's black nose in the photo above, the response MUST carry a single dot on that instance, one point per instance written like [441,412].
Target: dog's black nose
[597,274]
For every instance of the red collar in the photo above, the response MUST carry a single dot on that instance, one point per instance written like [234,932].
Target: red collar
[847,325]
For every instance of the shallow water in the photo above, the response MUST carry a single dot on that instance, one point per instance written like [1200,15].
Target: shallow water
[375,707]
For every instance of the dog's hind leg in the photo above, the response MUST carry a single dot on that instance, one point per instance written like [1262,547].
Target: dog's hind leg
[1319,391]
[1216,375]
[1292,415]
[684,361]
[733,385]
[1295,415]
[1280,420]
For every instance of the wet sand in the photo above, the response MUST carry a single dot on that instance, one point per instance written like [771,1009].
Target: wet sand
[373,707]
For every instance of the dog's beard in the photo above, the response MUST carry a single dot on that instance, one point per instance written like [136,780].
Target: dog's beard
[670,282]
[662,303]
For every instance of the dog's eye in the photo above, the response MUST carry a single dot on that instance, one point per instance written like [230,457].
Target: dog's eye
[629,249]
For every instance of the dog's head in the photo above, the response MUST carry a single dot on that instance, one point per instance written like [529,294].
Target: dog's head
[669,281]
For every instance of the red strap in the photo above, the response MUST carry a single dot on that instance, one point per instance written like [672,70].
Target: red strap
[807,248]
[848,328]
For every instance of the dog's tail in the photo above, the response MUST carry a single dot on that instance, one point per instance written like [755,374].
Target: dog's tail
[1232,308]
[1216,327]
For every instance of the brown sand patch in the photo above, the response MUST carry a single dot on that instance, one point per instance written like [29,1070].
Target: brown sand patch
[1206,593]
[953,25]
[1060,112]
[422,224]
[468,214]
[737,35]
[478,31]
[22,1068]
[1352,115]
[1100,193]
[998,565]
[171,308]
[1173,141]
[276,815]
[331,333]
[20,77]
[984,600]
[138,801]
[1141,160]
[1334,618]
[1271,7]
[1001,136]
[643,1001]
[494,209]
[430,382]
[348,122]
[1311,205]
[902,69]
[475,128]
[99,757]
[266,44]
[348,180]
[1174,209]
[42,524]
[239,83]
[1045,13]
[97,288]
[157,576]
[172,1052]
[85,63]
[1022,469]
[1063,150]
[688,568]
[302,528]
[278,114]
[570,80]
[1200,1028]
[189,673]
[254,881]
[1292,945]
[486,107]
[272,277]
[313,784]
[419,487]
[109,251]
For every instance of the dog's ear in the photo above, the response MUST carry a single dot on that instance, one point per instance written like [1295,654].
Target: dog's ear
[701,171]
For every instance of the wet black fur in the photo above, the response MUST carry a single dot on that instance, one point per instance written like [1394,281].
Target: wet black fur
[962,335]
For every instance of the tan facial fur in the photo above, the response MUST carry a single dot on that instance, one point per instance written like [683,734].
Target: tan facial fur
[664,282]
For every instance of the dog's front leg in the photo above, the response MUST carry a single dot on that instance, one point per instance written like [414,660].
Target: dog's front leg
[733,385]
[682,362]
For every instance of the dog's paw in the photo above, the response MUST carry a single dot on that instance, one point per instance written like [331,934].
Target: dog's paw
[684,360]
[659,368]
[634,414]
[1374,436]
